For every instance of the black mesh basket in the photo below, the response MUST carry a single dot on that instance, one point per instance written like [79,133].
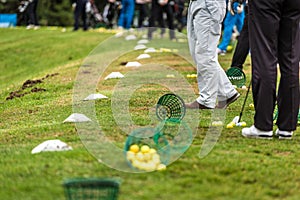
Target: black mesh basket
[91,189]
[170,106]
[236,76]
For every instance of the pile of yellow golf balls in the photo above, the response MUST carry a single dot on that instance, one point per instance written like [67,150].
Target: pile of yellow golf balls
[232,124]
[144,158]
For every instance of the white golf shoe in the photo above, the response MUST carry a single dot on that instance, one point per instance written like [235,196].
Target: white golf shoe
[253,132]
[285,135]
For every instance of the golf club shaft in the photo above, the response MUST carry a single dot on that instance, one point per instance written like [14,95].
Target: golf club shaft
[241,113]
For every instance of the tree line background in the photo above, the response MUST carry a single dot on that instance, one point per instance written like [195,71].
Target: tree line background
[50,12]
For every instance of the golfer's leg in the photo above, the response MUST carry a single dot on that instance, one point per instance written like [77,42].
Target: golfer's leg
[190,30]
[207,32]
[225,87]
[263,43]
[288,57]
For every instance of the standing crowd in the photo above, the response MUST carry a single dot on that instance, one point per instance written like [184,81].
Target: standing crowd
[121,14]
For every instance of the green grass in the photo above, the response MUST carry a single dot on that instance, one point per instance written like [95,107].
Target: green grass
[237,168]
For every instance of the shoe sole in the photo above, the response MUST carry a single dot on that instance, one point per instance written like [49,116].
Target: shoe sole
[264,137]
[230,102]
[284,137]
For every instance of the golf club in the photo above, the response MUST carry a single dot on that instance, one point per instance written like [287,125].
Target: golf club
[242,110]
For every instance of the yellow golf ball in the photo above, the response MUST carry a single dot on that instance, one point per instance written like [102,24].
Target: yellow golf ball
[229,48]
[161,167]
[229,125]
[134,148]
[145,149]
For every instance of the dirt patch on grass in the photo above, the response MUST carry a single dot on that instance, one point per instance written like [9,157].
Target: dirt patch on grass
[29,84]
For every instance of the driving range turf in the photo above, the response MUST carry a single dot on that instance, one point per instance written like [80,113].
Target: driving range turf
[236,168]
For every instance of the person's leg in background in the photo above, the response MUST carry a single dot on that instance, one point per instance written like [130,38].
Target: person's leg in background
[170,19]
[121,20]
[33,13]
[129,13]
[155,12]
[242,48]
[84,15]
[30,10]
[229,23]
[77,13]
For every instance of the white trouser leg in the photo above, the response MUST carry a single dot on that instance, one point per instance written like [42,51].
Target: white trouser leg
[204,34]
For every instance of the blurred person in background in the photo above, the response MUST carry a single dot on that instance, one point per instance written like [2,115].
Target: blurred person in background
[126,15]
[79,7]
[111,12]
[158,8]
[232,19]
[33,19]
[141,7]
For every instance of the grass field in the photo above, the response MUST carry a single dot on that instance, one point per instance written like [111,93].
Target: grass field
[236,168]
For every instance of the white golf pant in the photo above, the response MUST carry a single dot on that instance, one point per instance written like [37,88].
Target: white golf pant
[204,29]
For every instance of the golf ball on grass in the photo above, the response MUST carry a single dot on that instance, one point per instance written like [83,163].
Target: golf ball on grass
[244,87]
[242,124]
[230,125]
[217,123]
[251,105]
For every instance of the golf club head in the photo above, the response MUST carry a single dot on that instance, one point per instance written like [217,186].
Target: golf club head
[236,76]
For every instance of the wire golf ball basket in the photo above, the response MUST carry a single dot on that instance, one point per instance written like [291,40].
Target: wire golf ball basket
[178,134]
[170,106]
[91,188]
[148,142]
[236,76]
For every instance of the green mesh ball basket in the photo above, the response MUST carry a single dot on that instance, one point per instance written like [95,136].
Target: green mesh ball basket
[150,137]
[236,76]
[91,188]
[178,134]
[170,106]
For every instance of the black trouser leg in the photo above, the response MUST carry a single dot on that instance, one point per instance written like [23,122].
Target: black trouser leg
[30,13]
[84,18]
[263,44]
[288,58]
[170,19]
[154,17]
[242,48]
[274,37]
[80,11]
[76,18]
